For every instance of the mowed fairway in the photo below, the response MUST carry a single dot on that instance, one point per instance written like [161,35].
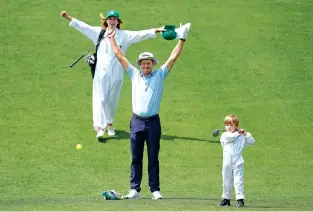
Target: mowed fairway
[252,58]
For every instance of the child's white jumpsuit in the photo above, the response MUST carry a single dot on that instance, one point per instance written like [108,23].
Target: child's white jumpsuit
[233,163]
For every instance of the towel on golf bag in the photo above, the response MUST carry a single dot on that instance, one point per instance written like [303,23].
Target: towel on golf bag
[91,59]
[112,195]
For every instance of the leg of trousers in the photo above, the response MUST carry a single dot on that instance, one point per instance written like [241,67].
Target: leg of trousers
[153,135]
[227,175]
[238,181]
[137,141]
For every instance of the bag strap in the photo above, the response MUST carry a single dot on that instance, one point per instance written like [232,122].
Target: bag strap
[100,38]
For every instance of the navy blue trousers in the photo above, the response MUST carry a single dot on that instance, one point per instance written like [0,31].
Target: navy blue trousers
[141,130]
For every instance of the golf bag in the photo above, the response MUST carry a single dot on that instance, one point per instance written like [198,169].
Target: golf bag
[91,59]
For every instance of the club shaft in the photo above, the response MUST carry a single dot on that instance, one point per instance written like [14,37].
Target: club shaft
[225,130]
[87,52]
[81,57]
[77,60]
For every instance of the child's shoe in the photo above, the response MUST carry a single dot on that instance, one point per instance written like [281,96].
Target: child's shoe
[224,202]
[240,203]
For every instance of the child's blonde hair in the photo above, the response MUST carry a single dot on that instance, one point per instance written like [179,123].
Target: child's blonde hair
[231,119]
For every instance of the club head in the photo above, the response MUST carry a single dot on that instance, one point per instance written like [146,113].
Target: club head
[216,132]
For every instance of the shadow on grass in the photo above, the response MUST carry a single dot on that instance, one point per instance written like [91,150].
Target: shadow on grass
[172,138]
[191,198]
[122,134]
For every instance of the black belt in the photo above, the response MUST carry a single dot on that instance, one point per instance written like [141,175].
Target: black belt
[144,118]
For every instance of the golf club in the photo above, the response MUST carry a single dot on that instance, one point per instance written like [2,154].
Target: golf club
[90,49]
[217,131]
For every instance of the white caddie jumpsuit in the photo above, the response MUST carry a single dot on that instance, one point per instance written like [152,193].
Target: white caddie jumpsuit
[109,75]
[233,163]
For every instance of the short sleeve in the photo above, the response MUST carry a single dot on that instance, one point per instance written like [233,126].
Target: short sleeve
[131,70]
[164,71]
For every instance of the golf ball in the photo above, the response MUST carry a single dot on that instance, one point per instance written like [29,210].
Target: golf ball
[79,146]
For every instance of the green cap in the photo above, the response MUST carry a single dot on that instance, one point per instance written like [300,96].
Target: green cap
[112,13]
[169,33]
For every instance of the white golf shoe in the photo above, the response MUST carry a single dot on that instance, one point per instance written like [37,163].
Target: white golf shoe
[133,194]
[111,131]
[156,195]
[100,134]
[182,31]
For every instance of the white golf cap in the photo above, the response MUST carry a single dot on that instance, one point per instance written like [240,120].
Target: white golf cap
[147,56]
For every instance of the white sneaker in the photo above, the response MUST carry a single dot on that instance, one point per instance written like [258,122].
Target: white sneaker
[100,134]
[133,194]
[111,131]
[156,195]
[182,31]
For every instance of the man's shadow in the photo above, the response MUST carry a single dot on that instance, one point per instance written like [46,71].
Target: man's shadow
[122,134]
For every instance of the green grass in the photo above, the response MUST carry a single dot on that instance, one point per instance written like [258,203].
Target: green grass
[251,58]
